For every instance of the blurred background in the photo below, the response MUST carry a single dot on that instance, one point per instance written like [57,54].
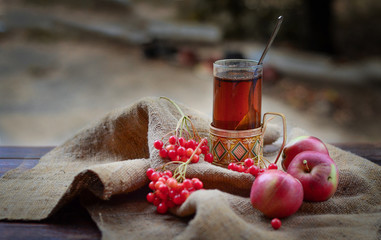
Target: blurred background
[64,64]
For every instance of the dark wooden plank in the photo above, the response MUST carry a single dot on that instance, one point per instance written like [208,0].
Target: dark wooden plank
[12,230]
[70,222]
[9,164]
[10,152]
[370,151]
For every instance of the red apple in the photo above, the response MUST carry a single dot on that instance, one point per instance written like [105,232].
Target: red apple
[276,194]
[318,174]
[301,144]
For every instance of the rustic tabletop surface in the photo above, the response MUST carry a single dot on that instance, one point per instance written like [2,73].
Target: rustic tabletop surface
[73,221]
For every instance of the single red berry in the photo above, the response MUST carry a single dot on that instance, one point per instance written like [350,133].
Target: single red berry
[178,200]
[276,223]
[183,197]
[253,170]
[187,183]
[156,201]
[261,170]
[162,208]
[231,166]
[208,157]
[172,183]
[199,151]
[182,141]
[149,172]
[172,193]
[168,173]
[158,144]
[195,158]
[181,151]
[157,184]
[197,184]
[162,178]
[163,153]
[150,197]
[191,144]
[249,162]
[189,152]
[163,188]
[272,166]
[151,185]
[172,140]
[234,167]
[195,179]
[161,195]
[179,187]
[195,143]
[204,149]
[172,154]
[241,168]
[170,147]
[184,194]
[154,176]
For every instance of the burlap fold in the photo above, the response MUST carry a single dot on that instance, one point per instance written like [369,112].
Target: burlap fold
[109,158]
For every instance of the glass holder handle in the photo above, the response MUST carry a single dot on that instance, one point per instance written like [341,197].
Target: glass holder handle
[265,121]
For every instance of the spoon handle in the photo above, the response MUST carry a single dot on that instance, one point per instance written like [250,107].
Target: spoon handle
[273,35]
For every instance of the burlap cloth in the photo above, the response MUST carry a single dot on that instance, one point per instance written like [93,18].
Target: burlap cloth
[109,158]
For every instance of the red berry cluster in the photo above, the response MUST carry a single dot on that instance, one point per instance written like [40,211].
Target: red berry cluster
[183,147]
[248,166]
[167,192]
[180,149]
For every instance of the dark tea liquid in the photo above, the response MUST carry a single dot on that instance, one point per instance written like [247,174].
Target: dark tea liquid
[237,100]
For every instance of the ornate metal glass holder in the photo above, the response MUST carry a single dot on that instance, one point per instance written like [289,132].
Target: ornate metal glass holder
[232,146]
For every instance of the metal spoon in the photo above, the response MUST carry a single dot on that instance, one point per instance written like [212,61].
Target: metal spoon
[246,119]
[273,35]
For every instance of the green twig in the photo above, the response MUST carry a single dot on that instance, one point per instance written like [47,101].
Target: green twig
[181,170]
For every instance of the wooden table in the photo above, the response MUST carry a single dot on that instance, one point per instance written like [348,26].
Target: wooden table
[73,221]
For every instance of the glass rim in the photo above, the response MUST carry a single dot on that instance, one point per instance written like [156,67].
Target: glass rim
[237,64]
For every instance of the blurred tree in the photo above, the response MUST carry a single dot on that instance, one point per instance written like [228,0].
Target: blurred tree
[320,25]
[334,27]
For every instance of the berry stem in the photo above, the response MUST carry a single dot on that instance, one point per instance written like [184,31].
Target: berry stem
[181,170]
[183,122]
[174,104]
[168,163]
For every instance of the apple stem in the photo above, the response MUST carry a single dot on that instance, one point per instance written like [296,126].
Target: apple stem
[306,166]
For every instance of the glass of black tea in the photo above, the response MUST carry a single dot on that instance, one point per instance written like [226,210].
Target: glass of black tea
[237,94]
